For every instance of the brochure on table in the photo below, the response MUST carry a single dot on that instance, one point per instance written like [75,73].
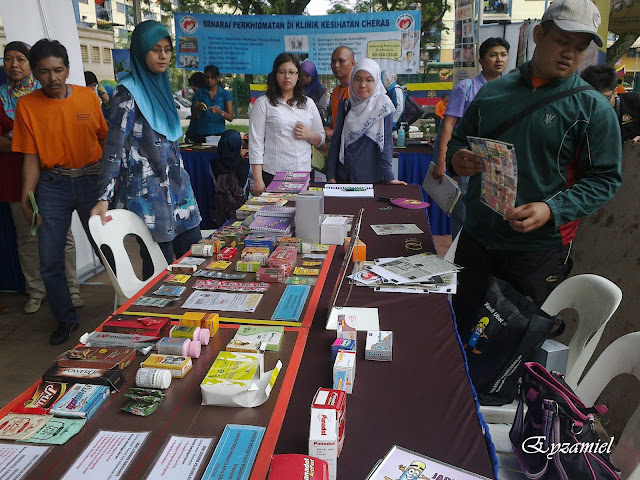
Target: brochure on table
[366,318]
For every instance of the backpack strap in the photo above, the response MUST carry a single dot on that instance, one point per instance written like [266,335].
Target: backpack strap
[510,122]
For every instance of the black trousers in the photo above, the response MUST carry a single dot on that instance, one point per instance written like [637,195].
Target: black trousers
[533,273]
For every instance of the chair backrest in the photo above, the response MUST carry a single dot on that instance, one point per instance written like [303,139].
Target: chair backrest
[622,356]
[595,299]
[121,223]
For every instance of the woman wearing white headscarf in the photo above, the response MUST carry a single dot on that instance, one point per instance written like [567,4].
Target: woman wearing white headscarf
[362,145]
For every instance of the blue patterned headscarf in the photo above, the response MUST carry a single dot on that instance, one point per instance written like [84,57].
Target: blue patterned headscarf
[152,91]
[11,91]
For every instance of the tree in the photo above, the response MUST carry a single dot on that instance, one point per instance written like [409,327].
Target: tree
[339,7]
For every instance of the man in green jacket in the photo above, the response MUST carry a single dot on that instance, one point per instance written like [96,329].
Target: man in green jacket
[568,164]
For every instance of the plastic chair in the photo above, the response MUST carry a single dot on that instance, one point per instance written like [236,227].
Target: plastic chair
[121,223]
[595,299]
[622,356]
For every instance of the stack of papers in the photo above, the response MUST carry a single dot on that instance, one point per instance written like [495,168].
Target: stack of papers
[212,140]
[422,273]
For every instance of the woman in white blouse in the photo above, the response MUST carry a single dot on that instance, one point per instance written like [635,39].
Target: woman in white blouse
[283,125]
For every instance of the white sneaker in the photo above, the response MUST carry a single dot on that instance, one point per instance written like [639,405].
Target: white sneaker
[77,300]
[32,305]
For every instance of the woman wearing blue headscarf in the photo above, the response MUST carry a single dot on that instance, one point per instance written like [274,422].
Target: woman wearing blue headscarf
[141,168]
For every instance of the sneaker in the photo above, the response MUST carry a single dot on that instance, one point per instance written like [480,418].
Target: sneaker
[62,333]
[32,305]
[77,300]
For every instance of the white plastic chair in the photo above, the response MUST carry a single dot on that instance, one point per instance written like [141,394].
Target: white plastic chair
[121,223]
[622,356]
[595,299]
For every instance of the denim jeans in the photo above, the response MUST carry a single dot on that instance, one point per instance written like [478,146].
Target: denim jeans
[58,196]
[178,246]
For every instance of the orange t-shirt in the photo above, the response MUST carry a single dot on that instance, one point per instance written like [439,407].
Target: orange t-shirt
[63,133]
[621,89]
[440,109]
[337,95]
[537,81]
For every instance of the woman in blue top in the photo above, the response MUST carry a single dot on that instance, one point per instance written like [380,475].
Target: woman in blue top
[362,145]
[212,106]
[141,168]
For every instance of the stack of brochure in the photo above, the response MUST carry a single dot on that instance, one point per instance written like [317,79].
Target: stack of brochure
[421,273]
[289,182]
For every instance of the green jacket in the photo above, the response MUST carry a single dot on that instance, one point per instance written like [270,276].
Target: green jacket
[568,155]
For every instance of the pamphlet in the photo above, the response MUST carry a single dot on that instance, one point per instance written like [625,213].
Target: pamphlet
[223,301]
[57,431]
[16,460]
[415,268]
[181,458]
[366,318]
[235,453]
[499,176]
[396,229]
[361,190]
[446,193]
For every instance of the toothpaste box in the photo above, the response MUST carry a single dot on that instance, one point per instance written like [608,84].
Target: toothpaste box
[323,439]
[346,362]
[80,401]
[335,403]
[293,466]
[379,346]
[347,327]
[342,344]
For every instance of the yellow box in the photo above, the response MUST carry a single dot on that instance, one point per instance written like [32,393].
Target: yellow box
[202,320]
[359,250]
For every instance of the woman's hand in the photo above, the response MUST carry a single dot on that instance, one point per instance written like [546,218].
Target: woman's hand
[331,180]
[258,187]
[302,132]
[215,109]
[100,208]
[396,182]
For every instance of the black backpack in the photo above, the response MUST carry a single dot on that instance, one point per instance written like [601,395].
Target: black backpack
[412,111]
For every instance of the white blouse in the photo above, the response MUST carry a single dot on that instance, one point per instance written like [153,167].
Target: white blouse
[272,141]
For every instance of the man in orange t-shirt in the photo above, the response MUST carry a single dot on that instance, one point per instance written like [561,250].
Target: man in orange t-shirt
[60,129]
[441,108]
[342,63]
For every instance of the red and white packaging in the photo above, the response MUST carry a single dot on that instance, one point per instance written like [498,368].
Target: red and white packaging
[323,439]
[294,466]
[335,402]
[284,257]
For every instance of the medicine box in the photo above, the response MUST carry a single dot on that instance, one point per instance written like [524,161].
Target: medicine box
[346,362]
[379,345]
[359,250]
[340,381]
[294,466]
[80,401]
[335,403]
[323,439]
[177,365]
[259,240]
[342,344]
[210,321]
[347,326]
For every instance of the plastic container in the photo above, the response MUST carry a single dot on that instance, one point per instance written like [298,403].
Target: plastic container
[201,335]
[153,378]
[179,346]
[401,134]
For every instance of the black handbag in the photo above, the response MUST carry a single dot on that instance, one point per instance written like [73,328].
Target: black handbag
[557,439]
[505,332]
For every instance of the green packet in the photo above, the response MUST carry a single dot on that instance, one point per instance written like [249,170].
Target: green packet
[143,401]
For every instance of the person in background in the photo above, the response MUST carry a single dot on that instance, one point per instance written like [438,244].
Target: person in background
[441,107]
[197,81]
[569,164]
[141,168]
[494,55]
[627,106]
[312,86]
[212,107]
[395,93]
[620,87]
[283,125]
[20,82]
[60,130]
[342,62]
[362,144]
[92,82]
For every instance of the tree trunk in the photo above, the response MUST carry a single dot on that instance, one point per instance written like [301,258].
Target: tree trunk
[618,49]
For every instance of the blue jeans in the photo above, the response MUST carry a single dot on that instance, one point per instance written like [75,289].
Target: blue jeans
[58,196]
[178,246]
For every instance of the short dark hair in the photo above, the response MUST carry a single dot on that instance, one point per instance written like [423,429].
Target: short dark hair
[601,77]
[198,79]
[212,70]
[619,81]
[489,43]
[273,92]
[45,48]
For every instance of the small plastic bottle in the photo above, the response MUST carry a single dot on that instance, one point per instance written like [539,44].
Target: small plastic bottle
[400,142]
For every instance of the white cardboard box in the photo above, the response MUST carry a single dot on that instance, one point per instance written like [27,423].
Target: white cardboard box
[323,439]
[333,230]
[346,362]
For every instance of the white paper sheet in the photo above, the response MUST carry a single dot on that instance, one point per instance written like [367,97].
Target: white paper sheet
[366,318]
[181,458]
[16,460]
[107,457]
[396,229]
[416,268]
[223,301]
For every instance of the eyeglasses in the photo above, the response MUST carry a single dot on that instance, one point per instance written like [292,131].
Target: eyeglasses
[158,50]
[291,73]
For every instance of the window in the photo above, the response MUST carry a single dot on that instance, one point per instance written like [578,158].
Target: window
[95,54]
[84,52]
[106,54]
[150,16]
[121,7]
